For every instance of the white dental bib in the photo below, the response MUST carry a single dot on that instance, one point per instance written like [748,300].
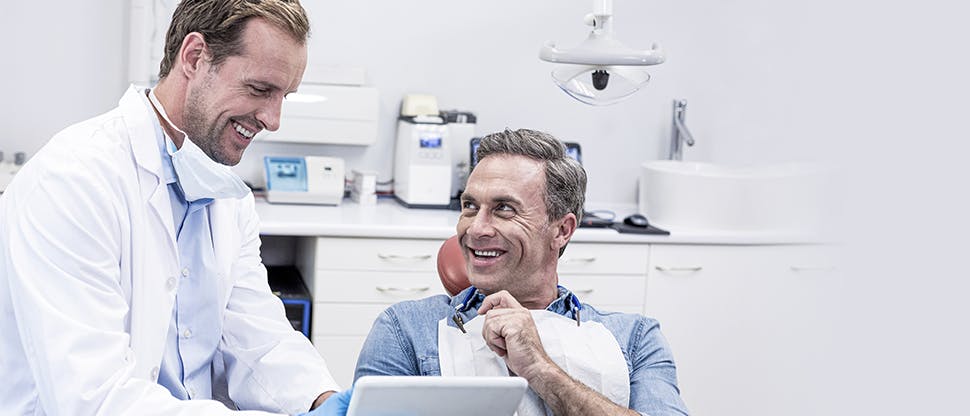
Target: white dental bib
[588,353]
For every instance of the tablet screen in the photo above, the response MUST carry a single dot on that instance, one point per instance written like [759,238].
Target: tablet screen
[436,396]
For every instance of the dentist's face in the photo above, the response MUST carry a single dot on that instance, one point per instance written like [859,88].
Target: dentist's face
[507,239]
[227,105]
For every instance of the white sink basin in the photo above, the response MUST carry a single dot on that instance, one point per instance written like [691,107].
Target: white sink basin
[680,196]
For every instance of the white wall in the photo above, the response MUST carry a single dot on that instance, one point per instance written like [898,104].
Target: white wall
[734,61]
[750,70]
[63,61]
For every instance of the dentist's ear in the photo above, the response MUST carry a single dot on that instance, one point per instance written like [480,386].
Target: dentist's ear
[192,55]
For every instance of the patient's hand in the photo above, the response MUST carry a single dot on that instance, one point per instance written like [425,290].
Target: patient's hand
[511,333]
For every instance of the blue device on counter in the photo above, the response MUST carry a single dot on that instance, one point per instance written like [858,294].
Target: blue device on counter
[286,174]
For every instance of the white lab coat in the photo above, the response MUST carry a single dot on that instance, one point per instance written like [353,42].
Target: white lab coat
[89,276]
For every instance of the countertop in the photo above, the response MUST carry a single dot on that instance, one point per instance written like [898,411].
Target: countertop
[389,219]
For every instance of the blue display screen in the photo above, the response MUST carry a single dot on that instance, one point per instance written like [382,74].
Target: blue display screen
[431,142]
[285,174]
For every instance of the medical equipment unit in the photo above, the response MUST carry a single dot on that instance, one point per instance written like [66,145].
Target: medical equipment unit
[304,180]
[333,105]
[601,70]
[461,130]
[422,155]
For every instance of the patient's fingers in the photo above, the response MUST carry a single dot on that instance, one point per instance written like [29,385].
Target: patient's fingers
[498,300]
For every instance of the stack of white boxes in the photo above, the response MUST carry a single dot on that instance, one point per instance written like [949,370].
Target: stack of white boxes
[364,188]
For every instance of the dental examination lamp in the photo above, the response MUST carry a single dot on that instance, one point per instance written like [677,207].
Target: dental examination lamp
[601,70]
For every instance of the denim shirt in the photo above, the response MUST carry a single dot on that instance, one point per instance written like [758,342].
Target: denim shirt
[404,341]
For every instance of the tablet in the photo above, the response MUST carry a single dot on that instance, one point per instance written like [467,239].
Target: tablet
[436,396]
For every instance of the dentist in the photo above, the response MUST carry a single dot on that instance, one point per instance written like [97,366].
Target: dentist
[130,275]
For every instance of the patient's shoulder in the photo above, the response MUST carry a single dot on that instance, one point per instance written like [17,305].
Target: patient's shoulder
[623,325]
[430,308]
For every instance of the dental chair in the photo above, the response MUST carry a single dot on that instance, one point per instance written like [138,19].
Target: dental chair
[451,267]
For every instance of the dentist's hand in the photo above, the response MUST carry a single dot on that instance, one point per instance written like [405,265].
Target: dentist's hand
[335,405]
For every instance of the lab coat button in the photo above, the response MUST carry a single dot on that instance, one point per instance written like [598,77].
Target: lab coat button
[185,272]
[170,283]
[155,374]
[187,333]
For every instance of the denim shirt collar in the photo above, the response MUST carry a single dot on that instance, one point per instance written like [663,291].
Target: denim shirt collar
[561,305]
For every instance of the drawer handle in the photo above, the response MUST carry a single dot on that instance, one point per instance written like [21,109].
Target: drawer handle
[402,290]
[679,269]
[812,268]
[583,292]
[395,257]
[579,260]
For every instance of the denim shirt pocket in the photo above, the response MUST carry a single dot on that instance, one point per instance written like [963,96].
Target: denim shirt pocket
[429,366]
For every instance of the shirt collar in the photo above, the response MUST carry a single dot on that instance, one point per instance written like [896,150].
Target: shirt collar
[561,305]
[168,170]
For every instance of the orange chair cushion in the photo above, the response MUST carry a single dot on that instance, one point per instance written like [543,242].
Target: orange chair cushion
[451,267]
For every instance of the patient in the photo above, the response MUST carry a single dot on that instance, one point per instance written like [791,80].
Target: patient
[520,208]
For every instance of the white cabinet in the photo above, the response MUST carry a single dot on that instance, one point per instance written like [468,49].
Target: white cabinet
[353,280]
[610,277]
[748,325]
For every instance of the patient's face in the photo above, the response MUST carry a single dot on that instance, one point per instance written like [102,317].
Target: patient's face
[504,229]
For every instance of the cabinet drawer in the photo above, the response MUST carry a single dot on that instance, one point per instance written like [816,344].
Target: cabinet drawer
[376,254]
[345,318]
[600,290]
[591,258]
[346,286]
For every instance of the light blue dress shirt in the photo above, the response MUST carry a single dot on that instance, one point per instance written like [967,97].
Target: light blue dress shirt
[195,329]
[404,341]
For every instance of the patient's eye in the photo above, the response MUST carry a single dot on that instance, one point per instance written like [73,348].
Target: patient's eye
[505,210]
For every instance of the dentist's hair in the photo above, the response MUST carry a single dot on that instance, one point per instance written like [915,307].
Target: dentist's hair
[565,177]
[221,23]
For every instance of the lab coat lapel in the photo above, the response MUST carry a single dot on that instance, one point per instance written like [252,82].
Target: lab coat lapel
[144,148]
[153,294]
[225,236]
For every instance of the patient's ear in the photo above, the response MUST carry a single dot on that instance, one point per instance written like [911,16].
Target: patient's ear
[565,227]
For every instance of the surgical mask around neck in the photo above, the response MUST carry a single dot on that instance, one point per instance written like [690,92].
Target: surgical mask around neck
[198,175]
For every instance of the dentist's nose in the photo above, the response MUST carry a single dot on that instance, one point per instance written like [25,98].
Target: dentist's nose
[269,115]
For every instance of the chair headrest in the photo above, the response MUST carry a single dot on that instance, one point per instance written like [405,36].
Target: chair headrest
[451,267]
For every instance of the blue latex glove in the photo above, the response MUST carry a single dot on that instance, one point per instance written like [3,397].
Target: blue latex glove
[335,405]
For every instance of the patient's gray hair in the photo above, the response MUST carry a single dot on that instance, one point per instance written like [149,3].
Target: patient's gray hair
[565,177]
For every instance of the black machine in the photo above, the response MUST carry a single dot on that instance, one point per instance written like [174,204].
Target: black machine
[286,282]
